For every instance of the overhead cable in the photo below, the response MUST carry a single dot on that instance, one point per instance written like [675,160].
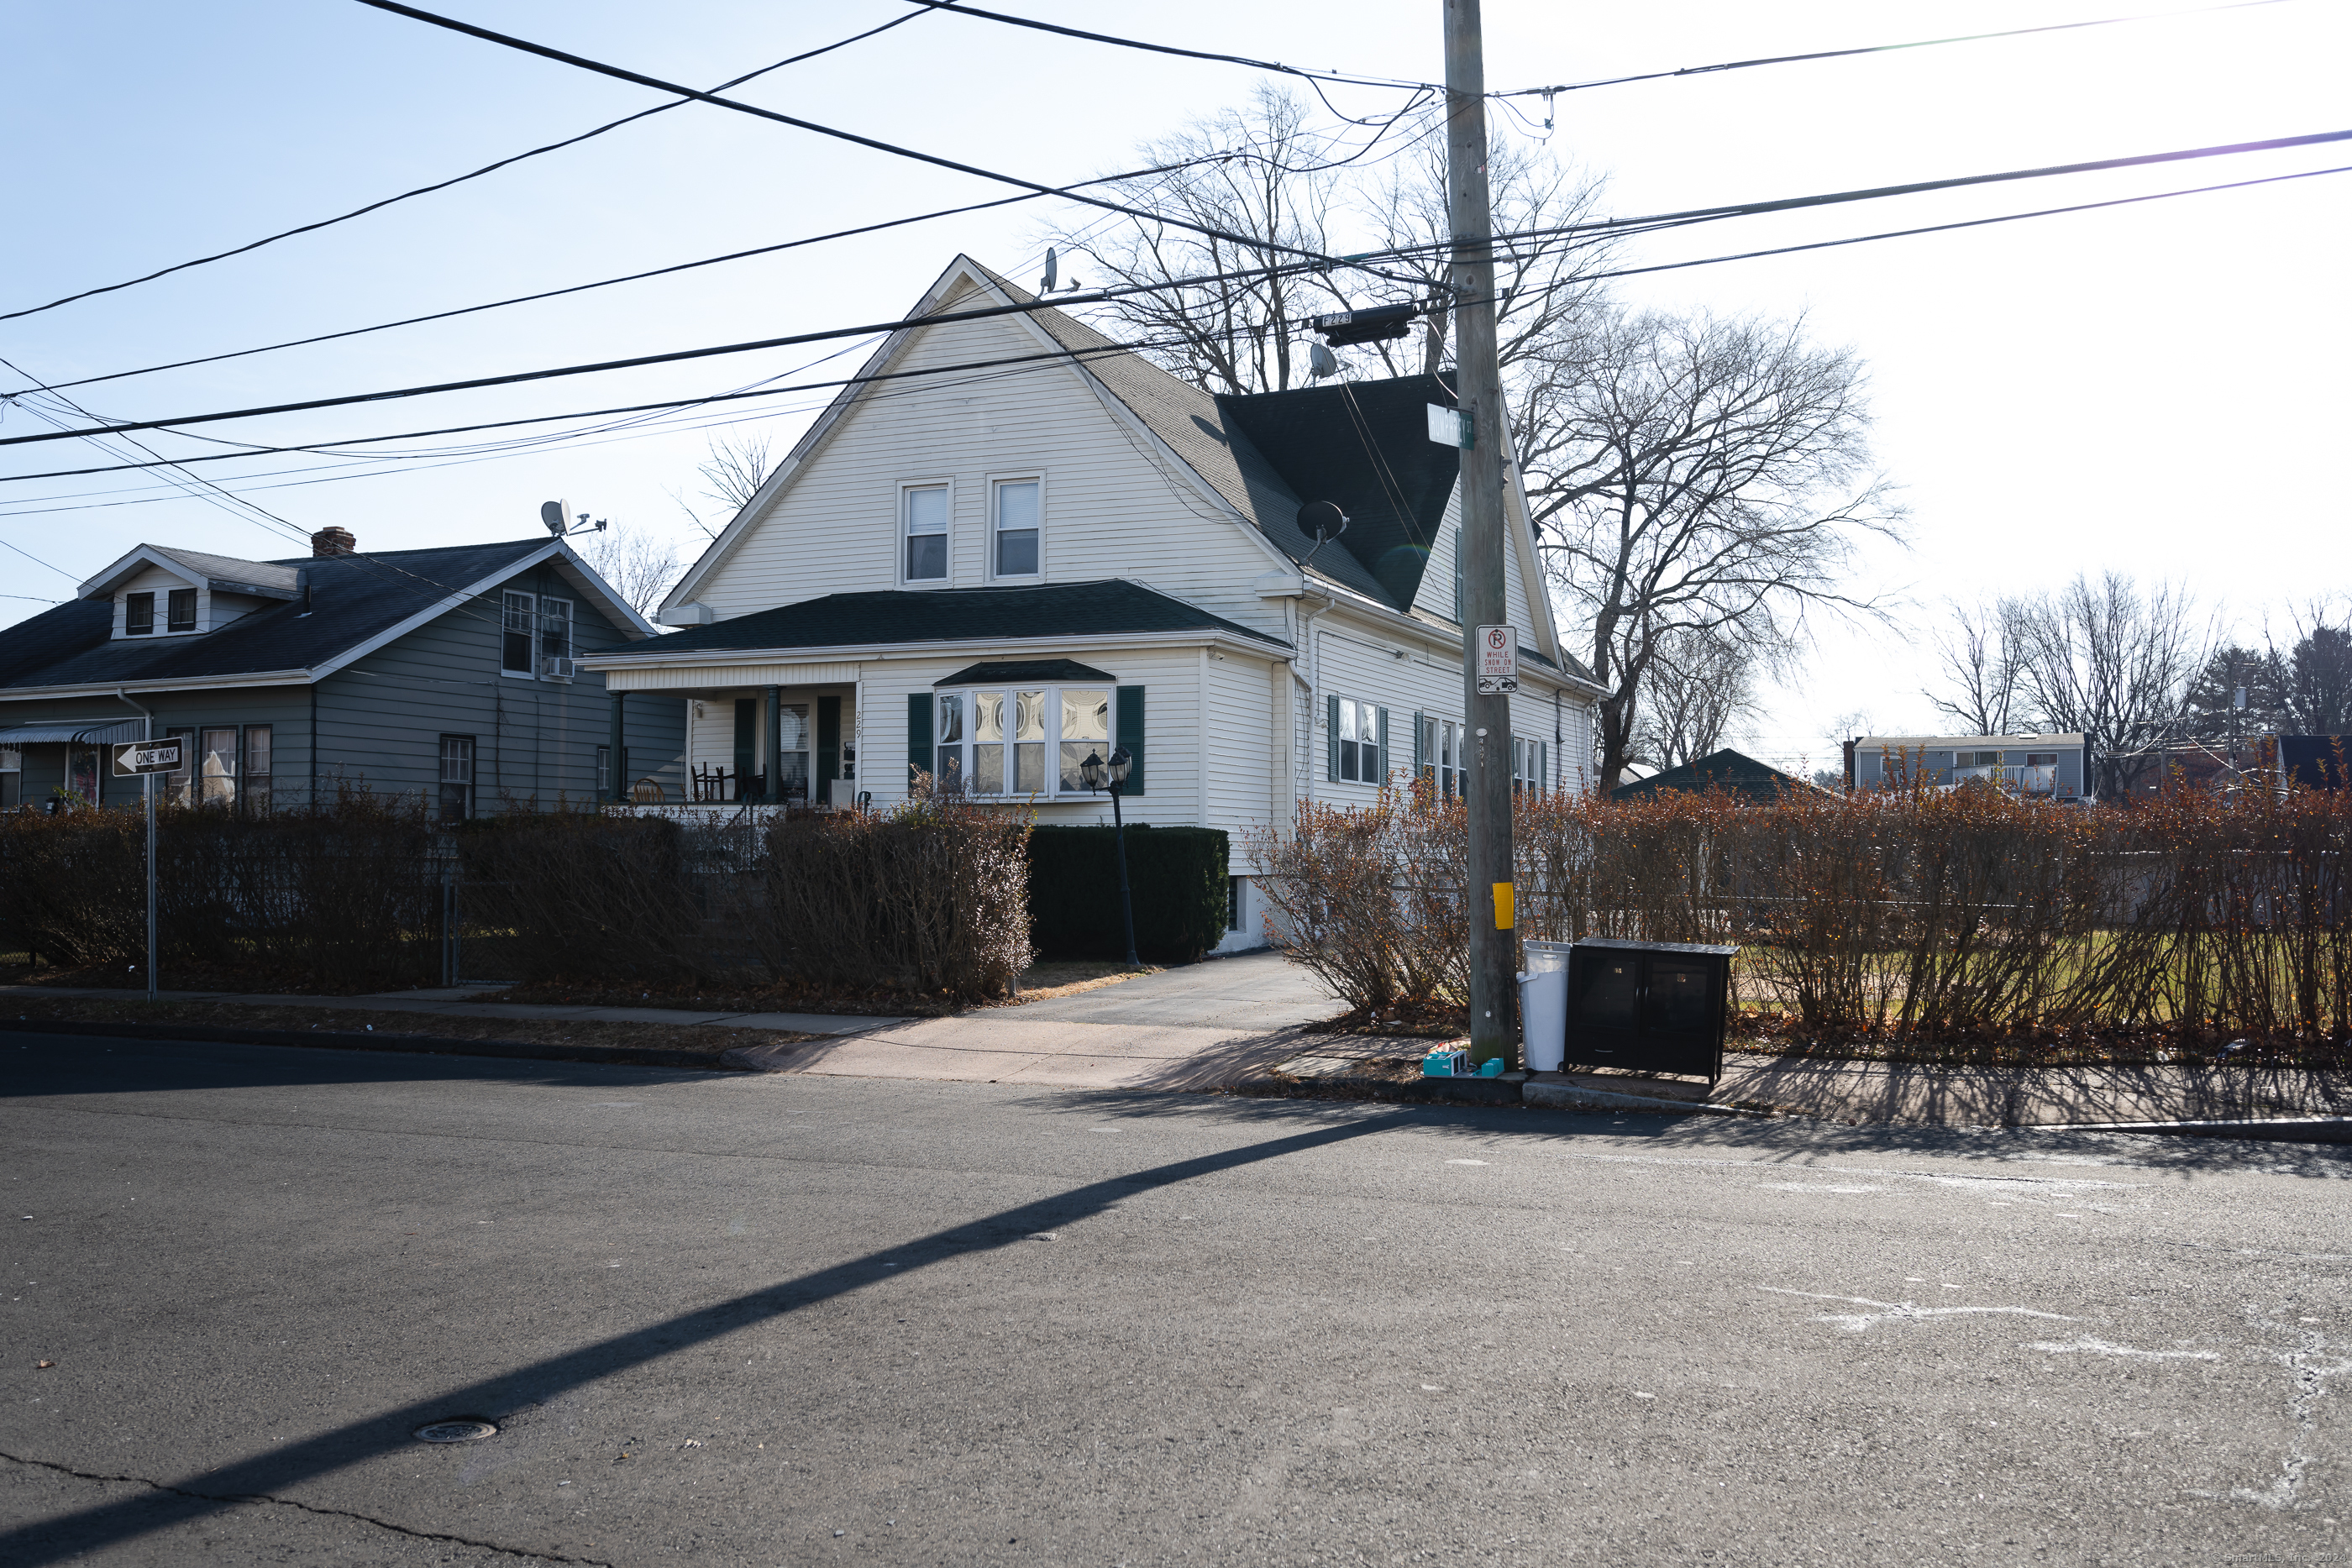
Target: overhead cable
[1101,295]
[1876,49]
[622,74]
[1347,77]
[445,184]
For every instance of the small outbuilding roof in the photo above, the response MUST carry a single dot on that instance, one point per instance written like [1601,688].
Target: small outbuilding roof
[1733,772]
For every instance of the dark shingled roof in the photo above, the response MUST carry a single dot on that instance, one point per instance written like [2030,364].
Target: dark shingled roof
[356,597]
[1365,446]
[1007,671]
[949,615]
[1733,772]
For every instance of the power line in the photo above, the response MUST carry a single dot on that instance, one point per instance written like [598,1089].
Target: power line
[680,266]
[1102,296]
[1873,48]
[442,184]
[326,447]
[622,74]
[1345,77]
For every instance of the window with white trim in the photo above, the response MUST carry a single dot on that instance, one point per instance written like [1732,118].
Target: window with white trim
[1014,742]
[1356,742]
[923,515]
[1528,760]
[1442,760]
[515,615]
[12,775]
[554,628]
[1016,528]
[456,778]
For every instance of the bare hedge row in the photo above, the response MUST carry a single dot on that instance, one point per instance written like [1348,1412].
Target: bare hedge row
[349,895]
[1930,913]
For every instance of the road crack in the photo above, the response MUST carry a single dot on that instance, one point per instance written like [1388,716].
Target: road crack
[302,1507]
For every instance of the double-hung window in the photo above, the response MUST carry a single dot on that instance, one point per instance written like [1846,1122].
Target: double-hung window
[1015,742]
[1442,760]
[456,778]
[554,628]
[216,767]
[925,509]
[1356,752]
[139,615]
[181,607]
[1528,760]
[516,621]
[1017,520]
[12,775]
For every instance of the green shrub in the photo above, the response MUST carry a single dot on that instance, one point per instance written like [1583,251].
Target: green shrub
[1177,877]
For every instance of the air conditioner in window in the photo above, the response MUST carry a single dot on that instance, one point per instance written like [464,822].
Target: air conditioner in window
[556,669]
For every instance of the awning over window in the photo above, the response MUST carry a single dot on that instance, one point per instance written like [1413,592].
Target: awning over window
[1012,672]
[82,733]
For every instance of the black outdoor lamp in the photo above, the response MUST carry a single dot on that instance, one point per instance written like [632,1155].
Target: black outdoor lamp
[1096,774]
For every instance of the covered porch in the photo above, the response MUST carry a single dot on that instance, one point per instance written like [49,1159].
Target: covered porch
[772,737]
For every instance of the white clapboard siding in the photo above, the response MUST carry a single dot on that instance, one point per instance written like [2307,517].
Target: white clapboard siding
[1112,505]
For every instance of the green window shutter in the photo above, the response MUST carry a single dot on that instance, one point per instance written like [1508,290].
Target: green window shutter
[918,737]
[1380,772]
[1130,735]
[1331,739]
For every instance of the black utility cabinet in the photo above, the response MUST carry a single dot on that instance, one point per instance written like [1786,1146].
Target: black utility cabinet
[1653,1007]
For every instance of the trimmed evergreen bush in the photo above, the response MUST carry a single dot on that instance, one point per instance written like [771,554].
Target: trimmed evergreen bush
[1176,876]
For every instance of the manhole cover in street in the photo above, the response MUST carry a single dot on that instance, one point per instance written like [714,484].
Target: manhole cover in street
[456,1432]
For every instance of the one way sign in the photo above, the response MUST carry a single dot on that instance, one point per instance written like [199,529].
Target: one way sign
[134,758]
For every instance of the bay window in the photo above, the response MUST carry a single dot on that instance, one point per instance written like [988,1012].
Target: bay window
[1017,742]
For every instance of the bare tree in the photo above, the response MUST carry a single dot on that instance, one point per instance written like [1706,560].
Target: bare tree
[1700,686]
[1279,182]
[736,468]
[1239,334]
[2113,661]
[1980,671]
[640,565]
[1697,477]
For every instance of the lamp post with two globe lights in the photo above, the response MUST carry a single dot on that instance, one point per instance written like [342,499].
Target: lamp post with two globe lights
[1096,774]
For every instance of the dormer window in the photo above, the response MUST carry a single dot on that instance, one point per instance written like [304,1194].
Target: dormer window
[139,615]
[182,608]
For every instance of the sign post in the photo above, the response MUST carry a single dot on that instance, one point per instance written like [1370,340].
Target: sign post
[143,759]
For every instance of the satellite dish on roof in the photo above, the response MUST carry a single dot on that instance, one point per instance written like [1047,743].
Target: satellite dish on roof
[1320,362]
[1323,519]
[556,516]
[1052,272]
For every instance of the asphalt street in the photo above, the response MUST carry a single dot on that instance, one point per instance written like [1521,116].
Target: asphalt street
[780,1318]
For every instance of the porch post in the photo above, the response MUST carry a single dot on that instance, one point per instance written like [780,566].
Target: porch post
[614,764]
[775,748]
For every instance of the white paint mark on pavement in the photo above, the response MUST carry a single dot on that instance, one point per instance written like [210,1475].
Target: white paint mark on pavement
[1449,1162]
[2087,1346]
[1903,1312]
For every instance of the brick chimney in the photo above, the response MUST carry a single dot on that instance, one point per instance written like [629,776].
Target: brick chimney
[333,541]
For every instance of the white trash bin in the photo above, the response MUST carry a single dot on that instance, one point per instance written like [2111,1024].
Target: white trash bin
[1543,1007]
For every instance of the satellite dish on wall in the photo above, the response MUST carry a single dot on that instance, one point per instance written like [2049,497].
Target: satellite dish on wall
[1323,519]
[1320,362]
[556,516]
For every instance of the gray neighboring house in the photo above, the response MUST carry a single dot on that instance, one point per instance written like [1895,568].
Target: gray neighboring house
[2055,767]
[446,673]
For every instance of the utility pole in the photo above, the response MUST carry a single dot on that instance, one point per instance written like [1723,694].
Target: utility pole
[1494,945]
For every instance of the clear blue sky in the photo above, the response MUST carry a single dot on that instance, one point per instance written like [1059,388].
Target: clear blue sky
[2158,389]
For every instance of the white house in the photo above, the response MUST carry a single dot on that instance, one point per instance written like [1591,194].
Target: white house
[1024,543]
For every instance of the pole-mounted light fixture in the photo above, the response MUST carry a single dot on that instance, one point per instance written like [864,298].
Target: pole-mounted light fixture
[1096,774]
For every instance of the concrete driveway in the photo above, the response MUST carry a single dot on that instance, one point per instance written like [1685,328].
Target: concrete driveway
[1192,1028]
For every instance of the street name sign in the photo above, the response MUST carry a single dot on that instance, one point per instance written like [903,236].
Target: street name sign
[136,757]
[1499,661]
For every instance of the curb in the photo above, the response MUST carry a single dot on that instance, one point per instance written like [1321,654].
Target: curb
[346,1040]
[1561,1097]
[2276,1129]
